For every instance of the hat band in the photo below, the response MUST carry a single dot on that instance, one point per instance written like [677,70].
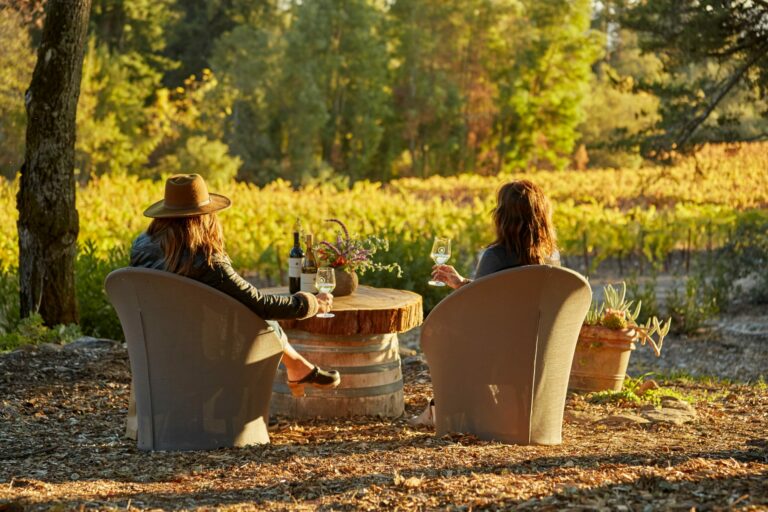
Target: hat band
[186,206]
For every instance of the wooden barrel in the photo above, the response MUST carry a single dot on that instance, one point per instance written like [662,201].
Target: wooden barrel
[371,377]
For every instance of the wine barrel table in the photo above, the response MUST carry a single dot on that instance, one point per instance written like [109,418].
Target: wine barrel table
[361,343]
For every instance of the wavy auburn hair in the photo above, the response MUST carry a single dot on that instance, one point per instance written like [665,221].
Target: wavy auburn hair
[523,222]
[181,238]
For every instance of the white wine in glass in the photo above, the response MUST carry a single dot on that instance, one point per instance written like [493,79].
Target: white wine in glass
[441,252]
[325,283]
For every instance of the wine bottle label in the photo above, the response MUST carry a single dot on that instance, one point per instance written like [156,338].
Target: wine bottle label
[308,282]
[294,267]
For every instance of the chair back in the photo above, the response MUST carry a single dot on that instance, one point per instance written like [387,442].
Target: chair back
[499,352]
[202,363]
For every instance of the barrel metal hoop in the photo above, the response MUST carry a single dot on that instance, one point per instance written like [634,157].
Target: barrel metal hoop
[371,368]
[297,334]
[384,389]
[352,370]
[381,347]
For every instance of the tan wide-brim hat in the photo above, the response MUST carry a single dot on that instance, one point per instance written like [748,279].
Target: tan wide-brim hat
[187,195]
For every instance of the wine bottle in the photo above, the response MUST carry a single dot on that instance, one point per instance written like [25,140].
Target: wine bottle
[295,261]
[309,269]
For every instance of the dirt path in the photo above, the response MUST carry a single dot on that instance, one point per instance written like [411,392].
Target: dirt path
[61,419]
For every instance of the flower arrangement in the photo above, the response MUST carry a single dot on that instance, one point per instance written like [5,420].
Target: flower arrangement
[615,313]
[353,254]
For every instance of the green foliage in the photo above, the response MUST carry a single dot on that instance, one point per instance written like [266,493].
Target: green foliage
[410,212]
[542,91]
[17,60]
[32,331]
[620,114]
[645,295]
[112,113]
[9,300]
[334,65]
[209,158]
[710,50]
[743,257]
[427,133]
[631,396]
[370,89]
[692,308]
[191,36]
[97,316]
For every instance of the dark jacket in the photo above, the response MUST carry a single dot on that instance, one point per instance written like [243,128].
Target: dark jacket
[496,258]
[147,253]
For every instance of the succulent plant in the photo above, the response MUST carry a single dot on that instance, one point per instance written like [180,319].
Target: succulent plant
[615,312]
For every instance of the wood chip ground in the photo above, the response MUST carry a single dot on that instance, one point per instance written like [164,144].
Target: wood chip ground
[61,448]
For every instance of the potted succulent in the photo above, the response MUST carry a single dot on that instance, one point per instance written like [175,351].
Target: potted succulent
[607,338]
[349,256]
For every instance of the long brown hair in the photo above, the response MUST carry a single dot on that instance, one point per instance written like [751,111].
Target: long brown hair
[523,222]
[181,238]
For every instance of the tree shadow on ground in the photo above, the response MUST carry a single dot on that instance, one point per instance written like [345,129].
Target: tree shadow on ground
[658,492]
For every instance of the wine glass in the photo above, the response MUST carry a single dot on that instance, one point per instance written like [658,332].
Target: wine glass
[441,252]
[325,281]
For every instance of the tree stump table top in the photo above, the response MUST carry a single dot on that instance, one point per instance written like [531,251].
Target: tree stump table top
[367,311]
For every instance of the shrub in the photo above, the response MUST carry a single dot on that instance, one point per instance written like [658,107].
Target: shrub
[745,255]
[9,301]
[97,316]
[645,295]
[32,331]
[691,309]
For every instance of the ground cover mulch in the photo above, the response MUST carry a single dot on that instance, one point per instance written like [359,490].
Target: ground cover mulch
[62,414]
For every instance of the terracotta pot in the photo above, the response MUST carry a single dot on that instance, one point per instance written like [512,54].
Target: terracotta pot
[601,358]
[346,283]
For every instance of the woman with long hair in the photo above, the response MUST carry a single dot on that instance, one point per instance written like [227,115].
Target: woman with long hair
[186,238]
[522,222]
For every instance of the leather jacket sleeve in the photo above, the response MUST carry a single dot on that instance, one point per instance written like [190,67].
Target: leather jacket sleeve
[147,253]
[269,307]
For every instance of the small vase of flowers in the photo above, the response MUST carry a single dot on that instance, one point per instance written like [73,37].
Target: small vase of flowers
[350,256]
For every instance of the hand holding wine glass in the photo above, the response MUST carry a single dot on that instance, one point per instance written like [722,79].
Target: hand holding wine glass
[325,283]
[441,252]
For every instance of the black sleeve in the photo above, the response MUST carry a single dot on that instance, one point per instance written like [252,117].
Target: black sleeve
[269,307]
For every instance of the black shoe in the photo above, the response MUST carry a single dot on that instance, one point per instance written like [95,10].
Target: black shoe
[318,378]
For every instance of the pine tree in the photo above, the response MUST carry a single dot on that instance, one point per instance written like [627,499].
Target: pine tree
[712,49]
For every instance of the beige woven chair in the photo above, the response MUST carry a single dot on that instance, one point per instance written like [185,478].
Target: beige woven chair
[202,362]
[499,352]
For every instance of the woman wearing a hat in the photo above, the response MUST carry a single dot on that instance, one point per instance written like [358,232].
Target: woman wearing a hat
[185,237]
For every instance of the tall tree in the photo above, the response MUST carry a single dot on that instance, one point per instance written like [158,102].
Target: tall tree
[124,66]
[541,92]
[248,61]
[335,74]
[48,220]
[430,39]
[731,36]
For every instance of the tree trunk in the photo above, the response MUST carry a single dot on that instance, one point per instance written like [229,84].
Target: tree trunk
[48,220]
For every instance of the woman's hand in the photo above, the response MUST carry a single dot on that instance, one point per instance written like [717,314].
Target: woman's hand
[324,302]
[448,275]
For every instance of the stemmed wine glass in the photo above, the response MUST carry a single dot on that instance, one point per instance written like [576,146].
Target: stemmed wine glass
[325,281]
[441,252]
